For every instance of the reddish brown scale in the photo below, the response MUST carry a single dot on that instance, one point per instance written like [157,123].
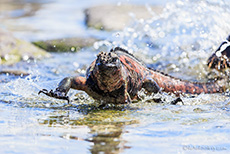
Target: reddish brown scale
[135,72]
[170,84]
[80,83]
[132,66]
[167,83]
[173,85]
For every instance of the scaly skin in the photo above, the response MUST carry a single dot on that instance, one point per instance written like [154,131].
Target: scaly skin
[177,86]
[117,76]
[174,85]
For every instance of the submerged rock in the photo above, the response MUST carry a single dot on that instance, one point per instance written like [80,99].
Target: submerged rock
[66,44]
[12,50]
[114,17]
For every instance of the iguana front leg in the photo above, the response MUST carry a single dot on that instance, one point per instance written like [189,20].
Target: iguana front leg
[152,87]
[64,86]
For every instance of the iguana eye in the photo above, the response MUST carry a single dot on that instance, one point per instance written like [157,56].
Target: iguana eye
[115,59]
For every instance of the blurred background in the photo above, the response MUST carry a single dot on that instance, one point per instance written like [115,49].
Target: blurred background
[48,19]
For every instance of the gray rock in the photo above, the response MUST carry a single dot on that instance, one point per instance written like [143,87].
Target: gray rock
[114,17]
[12,50]
[66,44]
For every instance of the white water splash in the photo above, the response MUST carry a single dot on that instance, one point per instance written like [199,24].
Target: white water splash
[185,35]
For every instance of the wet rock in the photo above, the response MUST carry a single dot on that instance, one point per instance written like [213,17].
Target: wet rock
[66,44]
[14,72]
[12,50]
[114,17]
[18,8]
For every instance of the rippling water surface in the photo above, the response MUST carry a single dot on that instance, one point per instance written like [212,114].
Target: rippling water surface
[177,42]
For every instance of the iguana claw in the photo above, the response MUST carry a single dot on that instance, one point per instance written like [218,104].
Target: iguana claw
[55,94]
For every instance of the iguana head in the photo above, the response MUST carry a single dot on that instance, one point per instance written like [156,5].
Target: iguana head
[108,60]
[108,70]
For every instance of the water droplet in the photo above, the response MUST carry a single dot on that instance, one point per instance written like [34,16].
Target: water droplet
[161,34]
[183,30]
[73,49]
[117,34]
[135,35]
[76,64]
[25,57]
